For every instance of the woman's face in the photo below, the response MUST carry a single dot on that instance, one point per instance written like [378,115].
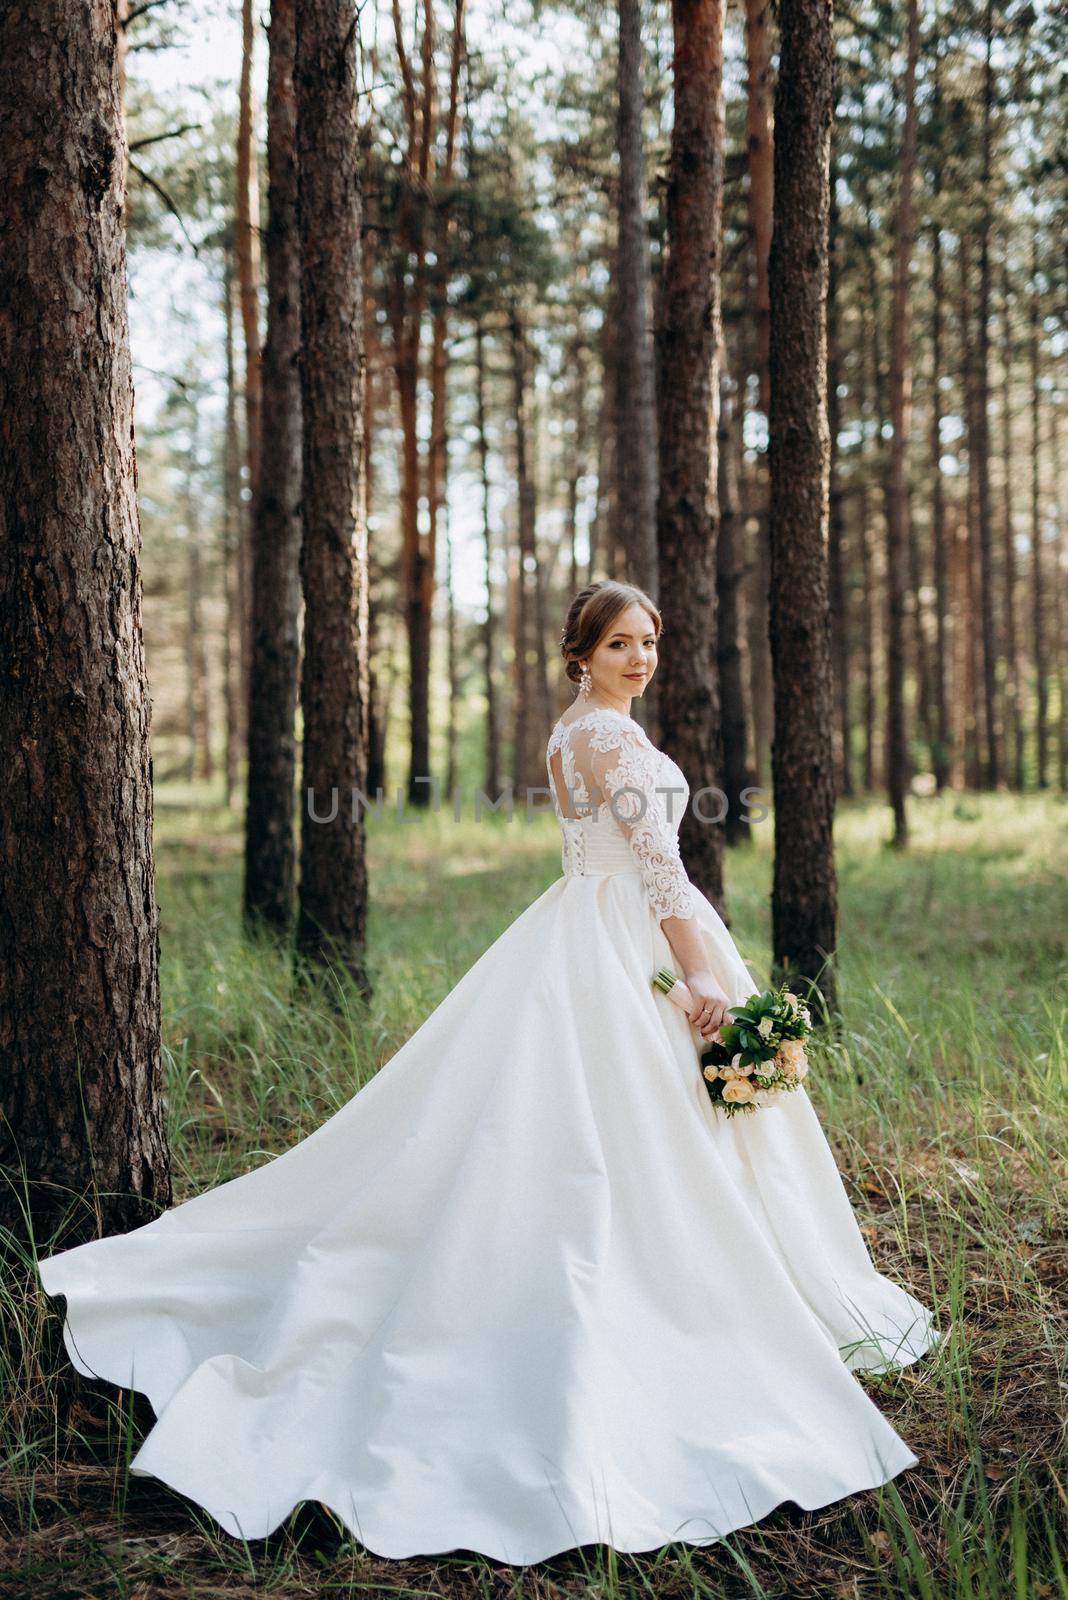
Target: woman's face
[625,658]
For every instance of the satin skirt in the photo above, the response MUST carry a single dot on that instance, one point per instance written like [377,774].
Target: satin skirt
[527,1290]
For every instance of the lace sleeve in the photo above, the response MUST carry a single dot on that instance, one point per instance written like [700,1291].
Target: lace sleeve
[620,767]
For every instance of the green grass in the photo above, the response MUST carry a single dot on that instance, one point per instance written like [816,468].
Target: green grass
[943,1098]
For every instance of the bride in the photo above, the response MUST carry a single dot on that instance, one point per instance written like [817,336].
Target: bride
[528,1289]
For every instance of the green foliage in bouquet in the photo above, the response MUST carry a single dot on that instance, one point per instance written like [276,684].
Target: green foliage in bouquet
[758,1055]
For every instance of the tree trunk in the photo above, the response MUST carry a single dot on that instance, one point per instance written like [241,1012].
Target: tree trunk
[962,697]
[494,771]
[760,160]
[994,752]
[804,893]
[437,447]
[897,475]
[418,203]
[452,654]
[417,573]
[332,922]
[758,565]
[873,768]
[198,726]
[759,199]
[732,655]
[1038,575]
[836,532]
[1060,617]
[602,531]
[542,575]
[687,510]
[940,746]
[917,609]
[376,733]
[1014,711]
[976,645]
[577,462]
[83,1147]
[528,745]
[232,519]
[247,241]
[270,847]
[866,546]
[635,404]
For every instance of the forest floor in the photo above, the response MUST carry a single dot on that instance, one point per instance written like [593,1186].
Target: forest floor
[944,1101]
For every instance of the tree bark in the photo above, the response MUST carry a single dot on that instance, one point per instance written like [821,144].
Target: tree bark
[1038,573]
[543,570]
[940,747]
[232,519]
[876,379]
[270,846]
[602,533]
[687,509]
[198,722]
[897,476]
[635,401]
[494,770]
[409,291]
[528,768]
[836,530]
[962,697]
[332,921]
[83,1147]
[804,893]
[759,201]
[761,696]
[731,654]
[1014,710]
[1060,643]
[452,651]
[760,161]
[437,447]
[577,459]
[976,643]
[247,242]
[994,752]
[376,609]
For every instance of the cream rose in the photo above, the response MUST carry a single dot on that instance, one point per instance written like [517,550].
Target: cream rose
[792,1058]
[739,1091]
[765,1026]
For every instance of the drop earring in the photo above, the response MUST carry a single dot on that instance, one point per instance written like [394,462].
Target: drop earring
[585,681]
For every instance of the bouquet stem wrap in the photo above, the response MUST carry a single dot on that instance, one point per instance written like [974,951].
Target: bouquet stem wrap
[759,1055]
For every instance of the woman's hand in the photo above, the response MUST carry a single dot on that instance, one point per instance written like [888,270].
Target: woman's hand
[711,1007]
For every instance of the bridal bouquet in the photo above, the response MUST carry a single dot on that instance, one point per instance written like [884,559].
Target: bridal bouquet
[757,1056]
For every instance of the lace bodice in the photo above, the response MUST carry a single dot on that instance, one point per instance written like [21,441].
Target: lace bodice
[641,795]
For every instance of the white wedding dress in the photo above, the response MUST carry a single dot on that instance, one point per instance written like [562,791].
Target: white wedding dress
[528,1289]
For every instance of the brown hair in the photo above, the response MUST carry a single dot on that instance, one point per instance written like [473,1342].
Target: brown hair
[590,615]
